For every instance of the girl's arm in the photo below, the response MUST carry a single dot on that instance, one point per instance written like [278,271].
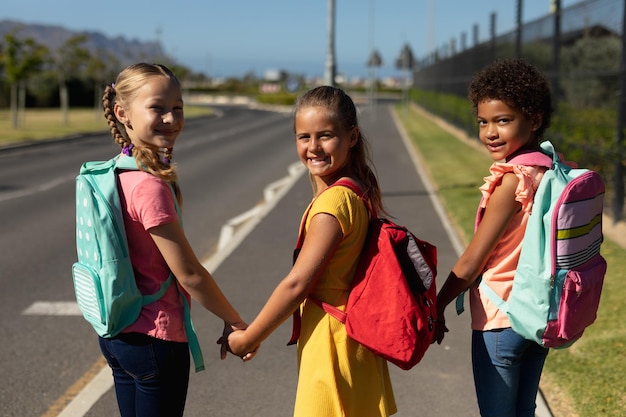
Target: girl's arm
[500,211]
[194,278]
[322,240]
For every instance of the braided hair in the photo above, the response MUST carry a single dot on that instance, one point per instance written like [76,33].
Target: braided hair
[149,159]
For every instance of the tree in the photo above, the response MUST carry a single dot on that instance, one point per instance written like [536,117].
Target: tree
[591,66]
[406,63]
[406,59]
[375,60]
[70,61]
[20,59]
[101,66]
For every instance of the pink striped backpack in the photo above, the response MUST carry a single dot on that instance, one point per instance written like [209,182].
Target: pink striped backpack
[558,282]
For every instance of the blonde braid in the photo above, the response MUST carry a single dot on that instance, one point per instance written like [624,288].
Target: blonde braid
[118,132]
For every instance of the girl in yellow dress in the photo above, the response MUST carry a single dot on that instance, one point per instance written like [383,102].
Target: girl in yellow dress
[337,376]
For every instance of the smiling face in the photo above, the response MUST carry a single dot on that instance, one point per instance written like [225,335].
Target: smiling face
[323,146]
[154,115]
[504,130]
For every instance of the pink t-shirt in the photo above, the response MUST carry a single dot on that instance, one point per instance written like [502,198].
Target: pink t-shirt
[148,202]
[500,267]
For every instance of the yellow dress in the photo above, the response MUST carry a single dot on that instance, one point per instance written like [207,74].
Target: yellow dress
[336,375]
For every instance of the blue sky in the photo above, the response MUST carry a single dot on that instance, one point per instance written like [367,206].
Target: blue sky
[232,38]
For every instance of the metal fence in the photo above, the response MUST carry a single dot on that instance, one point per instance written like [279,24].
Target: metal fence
[580,48]
[450,67]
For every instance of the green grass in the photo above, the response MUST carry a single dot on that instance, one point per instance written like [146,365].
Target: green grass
[587,379]
[40,124]
[456,168]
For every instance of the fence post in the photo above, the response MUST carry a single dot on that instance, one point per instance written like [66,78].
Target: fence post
[618,180]
[518,29]
[556,52]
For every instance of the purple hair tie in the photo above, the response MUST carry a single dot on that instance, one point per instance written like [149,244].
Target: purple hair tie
[128,150]
[166,156]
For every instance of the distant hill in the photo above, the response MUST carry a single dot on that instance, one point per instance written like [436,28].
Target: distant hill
[125,50]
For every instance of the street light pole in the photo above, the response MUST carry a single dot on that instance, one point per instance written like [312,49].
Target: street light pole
[372,71]
[329,74]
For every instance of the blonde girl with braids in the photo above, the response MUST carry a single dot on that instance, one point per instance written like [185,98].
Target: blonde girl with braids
[150,358]
[336,375]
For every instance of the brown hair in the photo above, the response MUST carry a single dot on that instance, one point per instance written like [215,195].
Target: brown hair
[341,110]
[124,90]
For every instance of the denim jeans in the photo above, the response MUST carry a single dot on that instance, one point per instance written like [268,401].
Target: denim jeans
[507,369]
[151,375]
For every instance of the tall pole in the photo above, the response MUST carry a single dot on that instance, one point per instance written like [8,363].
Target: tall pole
[372,66]
[618,177]
[556,52]
[518,30]
[329,74]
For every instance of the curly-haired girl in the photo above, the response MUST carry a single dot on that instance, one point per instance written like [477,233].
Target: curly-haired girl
[513,106]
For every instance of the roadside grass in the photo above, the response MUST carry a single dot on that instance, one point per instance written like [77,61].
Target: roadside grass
[41,124]
[585,380]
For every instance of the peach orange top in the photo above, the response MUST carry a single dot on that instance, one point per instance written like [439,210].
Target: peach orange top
[500,268]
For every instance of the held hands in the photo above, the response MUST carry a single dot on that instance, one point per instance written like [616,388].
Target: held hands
[239,346]
[234,344]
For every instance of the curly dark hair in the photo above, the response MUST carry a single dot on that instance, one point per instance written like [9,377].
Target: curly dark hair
[518,84]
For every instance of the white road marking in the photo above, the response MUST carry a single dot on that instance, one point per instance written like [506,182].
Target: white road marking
[58,308]
[88,396]
[37,189]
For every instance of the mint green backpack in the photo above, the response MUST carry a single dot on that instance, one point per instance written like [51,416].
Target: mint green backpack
[104,281]
[559,278]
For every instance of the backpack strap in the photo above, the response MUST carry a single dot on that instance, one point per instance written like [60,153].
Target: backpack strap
[346,183]
[533,158]
[149,299]
[330,309]
[192,337]
[358,191]
[125,162]
[546,157]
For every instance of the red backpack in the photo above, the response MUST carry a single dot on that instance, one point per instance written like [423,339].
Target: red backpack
[391,306]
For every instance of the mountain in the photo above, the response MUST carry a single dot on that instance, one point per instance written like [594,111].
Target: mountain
[125,50]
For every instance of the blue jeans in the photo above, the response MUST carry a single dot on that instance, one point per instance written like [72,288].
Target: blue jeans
[151,375]
[507,369]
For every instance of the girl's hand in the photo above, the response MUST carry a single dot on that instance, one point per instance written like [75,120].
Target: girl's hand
[440,330]
[223,341]
[239,345]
